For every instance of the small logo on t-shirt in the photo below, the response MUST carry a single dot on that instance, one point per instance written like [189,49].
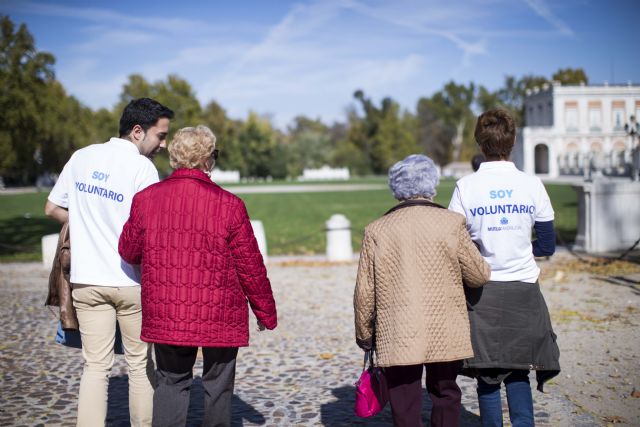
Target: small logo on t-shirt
[504,221]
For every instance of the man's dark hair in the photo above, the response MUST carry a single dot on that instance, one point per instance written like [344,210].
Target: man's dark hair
[144,112]
[495,133]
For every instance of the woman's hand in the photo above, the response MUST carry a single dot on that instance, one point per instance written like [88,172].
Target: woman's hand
[261,327]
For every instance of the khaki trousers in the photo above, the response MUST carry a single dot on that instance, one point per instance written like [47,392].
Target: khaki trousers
[97,308]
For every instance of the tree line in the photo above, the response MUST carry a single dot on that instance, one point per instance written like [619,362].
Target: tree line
[41,125]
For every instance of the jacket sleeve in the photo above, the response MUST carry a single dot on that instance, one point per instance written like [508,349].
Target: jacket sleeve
[364,295]
[132,237]
[475,270]
[250,268]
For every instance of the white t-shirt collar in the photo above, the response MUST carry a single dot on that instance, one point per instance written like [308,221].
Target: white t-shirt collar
[124,143]
[498,164]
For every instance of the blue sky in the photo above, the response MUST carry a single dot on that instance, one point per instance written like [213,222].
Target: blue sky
[287,58]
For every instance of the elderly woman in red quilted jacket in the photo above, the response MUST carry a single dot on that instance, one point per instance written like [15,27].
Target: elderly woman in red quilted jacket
[200,266]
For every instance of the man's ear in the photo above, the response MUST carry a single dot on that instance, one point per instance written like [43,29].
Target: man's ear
[137,133]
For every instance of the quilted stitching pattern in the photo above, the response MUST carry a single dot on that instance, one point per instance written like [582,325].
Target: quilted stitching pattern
[200,263]
[409,286]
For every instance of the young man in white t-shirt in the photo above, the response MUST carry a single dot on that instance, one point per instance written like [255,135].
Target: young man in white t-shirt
[94,193]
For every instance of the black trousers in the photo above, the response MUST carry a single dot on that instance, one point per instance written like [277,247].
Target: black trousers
[174,376]
[405,393]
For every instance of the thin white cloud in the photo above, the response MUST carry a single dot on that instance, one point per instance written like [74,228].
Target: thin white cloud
[105,16]
[541,8]
[115,38]
[433,24]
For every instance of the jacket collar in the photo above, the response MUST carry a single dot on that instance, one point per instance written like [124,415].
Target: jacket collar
[192,174]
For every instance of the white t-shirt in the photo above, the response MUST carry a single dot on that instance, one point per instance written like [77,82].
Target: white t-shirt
[501,205]
[97,185]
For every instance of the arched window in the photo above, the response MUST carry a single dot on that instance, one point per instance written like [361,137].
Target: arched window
[541,155]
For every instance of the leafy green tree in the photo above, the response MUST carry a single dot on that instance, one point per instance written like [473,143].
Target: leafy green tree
[434,135]
[177,94]
[226,131]
[106,124]
[67,126]
[258,143]
[395,139]
[385,134]
[309,145]
[346,152]
[450,109]
[513,93]
[570,76]
[487,100]
[25,75]
[136,87]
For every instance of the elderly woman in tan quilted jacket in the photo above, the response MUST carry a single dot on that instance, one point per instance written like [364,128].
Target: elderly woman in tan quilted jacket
[409,300]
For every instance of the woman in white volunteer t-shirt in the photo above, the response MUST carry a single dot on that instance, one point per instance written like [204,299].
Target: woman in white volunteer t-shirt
[511,330]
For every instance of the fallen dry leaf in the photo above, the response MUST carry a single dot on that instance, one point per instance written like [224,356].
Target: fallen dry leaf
[615,419]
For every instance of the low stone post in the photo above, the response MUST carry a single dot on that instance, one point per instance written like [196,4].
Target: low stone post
[339,238]
[49,246]
[258,231]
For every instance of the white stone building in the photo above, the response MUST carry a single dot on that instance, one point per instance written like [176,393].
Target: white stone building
[578,130]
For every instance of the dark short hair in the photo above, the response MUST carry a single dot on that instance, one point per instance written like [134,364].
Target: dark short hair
[495,133]
[144,112]
[476,161]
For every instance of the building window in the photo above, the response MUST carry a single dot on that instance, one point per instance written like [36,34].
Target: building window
[618,113]
[541,158]
[571,119]
[618,119]
[595,119]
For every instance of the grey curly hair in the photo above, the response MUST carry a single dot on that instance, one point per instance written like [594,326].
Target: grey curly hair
[414,176]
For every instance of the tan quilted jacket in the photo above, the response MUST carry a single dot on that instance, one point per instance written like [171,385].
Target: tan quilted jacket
[409,286]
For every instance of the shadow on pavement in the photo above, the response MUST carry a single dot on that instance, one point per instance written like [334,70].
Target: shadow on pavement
[340,412]
[118,407]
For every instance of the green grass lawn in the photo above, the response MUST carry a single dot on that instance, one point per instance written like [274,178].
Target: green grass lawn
[357,180]
[294,222]
[22,225]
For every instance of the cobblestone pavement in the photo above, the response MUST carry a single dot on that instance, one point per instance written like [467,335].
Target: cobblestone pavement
[300,374]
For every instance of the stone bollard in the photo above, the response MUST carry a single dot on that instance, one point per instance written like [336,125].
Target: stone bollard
[258,231]
[49,246]
[339,238]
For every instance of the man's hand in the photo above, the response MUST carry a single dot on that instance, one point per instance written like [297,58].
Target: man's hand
[261,327]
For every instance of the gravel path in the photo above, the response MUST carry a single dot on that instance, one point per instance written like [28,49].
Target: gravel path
[303,372]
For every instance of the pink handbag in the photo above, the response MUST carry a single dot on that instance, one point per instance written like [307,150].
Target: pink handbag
[371,390]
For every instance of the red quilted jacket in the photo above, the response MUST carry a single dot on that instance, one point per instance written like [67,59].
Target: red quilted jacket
[200,263]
